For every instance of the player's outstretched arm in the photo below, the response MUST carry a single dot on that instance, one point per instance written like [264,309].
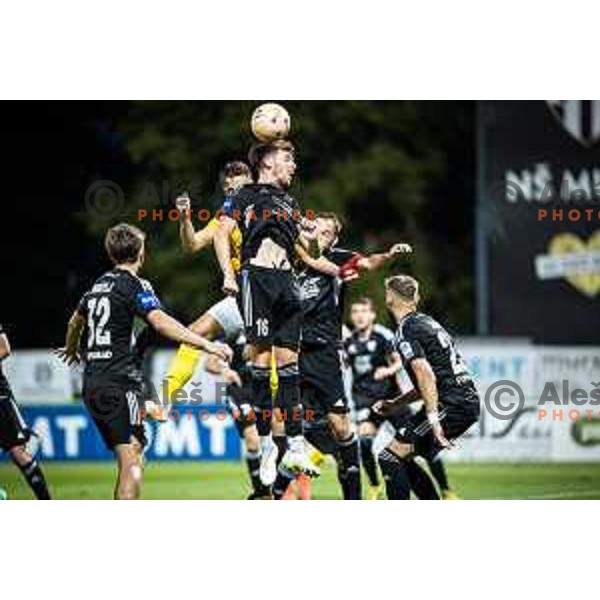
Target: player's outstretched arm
[192,241]
[320,264]
[223,251]
[70,352]
[427,386]
[172,329]
[375,261]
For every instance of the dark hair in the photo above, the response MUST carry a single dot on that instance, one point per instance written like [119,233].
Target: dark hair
[404,285]
[331,216]
[365,301]
[123,243]
[234,168]
[259,150]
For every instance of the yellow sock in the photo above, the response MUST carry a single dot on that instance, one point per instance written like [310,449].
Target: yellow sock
[274,379]
[182,367]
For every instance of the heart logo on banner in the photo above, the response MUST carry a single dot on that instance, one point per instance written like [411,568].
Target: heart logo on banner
[569,243]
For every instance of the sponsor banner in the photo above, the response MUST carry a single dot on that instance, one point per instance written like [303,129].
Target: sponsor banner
[569,381]
[539,220]
[39,377]
[521,437]
[68,433]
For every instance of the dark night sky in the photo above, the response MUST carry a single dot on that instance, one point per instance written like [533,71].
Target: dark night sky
[52,151]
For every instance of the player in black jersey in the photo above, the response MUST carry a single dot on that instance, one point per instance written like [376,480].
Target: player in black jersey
[14,432]
[111,374]
[320,362]
[441,378]
[237,377]
[269,220]
[369,352]
[376,373]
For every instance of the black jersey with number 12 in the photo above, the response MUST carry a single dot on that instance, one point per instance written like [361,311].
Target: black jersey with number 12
[110,308]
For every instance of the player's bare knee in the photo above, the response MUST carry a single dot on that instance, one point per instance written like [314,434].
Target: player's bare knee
[285,356]
[366,429]
[341,425]
[400,449]
[20,455]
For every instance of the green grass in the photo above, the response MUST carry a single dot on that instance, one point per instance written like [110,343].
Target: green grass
[228,480]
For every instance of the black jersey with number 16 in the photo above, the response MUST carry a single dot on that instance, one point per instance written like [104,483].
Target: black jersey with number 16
[266,211]
[109,308]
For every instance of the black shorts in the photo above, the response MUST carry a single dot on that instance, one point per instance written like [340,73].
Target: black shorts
[115,409]
[270,301]
[13,429]
[456,419]
[321,381]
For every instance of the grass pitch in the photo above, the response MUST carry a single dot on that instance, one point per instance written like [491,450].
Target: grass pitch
[228,480]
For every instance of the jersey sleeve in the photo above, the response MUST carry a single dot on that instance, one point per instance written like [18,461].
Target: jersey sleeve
[340,256]
[143,299]
[82,305]
[410,346]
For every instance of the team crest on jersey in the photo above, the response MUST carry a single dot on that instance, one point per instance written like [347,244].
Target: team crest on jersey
[371,345]
[406,350]
[580,118]
[309,288]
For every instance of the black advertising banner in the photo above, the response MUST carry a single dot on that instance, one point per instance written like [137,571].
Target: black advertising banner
[538,222]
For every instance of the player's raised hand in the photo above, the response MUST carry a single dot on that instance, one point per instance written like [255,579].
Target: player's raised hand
[70,358]
[183,203]
[230,286]
[400,249]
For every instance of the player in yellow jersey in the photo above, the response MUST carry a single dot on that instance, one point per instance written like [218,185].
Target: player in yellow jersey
[223,318]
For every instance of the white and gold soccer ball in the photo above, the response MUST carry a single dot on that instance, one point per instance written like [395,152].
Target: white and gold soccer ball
[270,122]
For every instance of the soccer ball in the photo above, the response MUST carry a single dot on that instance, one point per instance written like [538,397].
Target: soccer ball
[270,122]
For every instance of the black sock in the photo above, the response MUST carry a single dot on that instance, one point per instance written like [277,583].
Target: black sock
[288,399]
[438,470]
[420,482]
[282,482]
[395,476]
[35,478]
[349,468]
[368,459]
[261,397]
[253,465]
[282,445]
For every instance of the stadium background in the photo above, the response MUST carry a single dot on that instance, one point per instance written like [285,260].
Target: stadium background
[439,175]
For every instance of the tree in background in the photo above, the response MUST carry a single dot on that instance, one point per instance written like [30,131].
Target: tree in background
[393,171]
